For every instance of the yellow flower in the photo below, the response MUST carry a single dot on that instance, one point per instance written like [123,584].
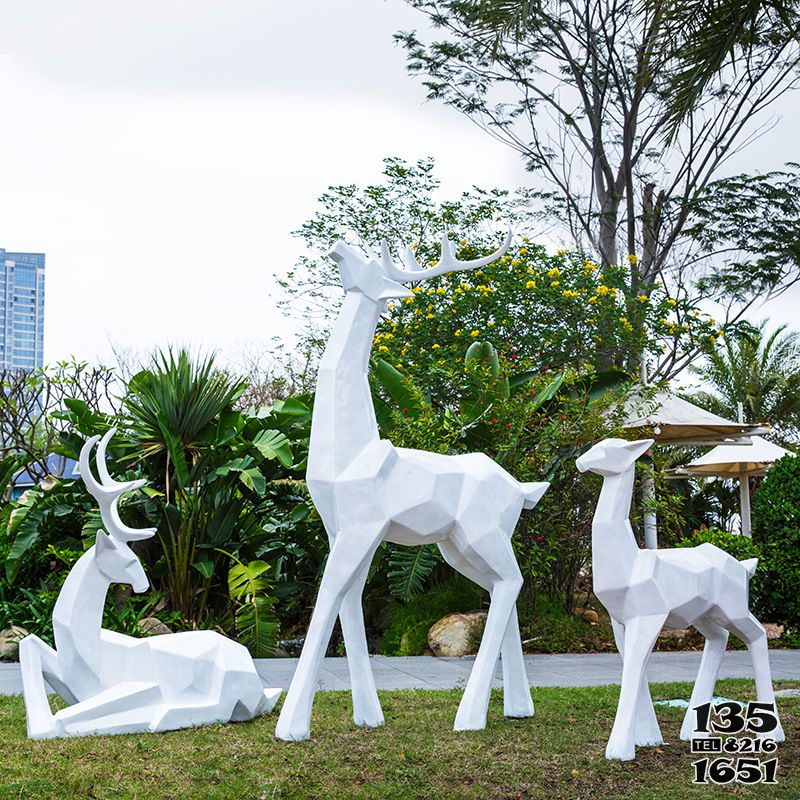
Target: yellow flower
[388,336]
[553,273]
[423,350]
[633,259]
[569,293]
[672,303]
[555,283]
[562,252]
[474,334]
[390,306]
[431,316]
[408,301]
[441,290]
[490,324]
[643,298]
[404,351]
[525,239]
[713,340]
[530,285]
[383,349]
[463,241]
[603,290]
[435,347]
[433,263]
[459,332]
[429,292]
[593,299]
[376,338]
[627,325]
[523,250]
[417,289]
[514,262]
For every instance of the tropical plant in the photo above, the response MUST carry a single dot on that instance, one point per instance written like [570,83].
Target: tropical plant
[758,372]
[254,618]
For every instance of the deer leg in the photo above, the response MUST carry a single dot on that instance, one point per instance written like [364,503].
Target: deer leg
[752,633]
[492,557]
[36,657]
[517,700]
[648,732]
[352,550]
[703,691]
[366,706]
[640,636]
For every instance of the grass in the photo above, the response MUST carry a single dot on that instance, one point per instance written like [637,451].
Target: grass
[557,754]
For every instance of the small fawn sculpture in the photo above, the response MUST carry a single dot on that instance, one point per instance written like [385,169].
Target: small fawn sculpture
[647,590]
[366,491]
[120,684]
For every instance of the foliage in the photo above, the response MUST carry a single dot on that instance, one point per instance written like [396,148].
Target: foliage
[248,587]
[776,530]
[761,371]
[582,93]
[741,548]
[541,312]
[214,488]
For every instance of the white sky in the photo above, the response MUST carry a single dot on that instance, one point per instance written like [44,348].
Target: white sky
[160,152]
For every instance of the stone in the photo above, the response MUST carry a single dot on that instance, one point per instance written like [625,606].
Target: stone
[457,634]
[152,626]
[9,642]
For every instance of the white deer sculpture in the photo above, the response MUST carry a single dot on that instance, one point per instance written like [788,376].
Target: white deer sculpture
[366,491]
[646,590]
[120,684]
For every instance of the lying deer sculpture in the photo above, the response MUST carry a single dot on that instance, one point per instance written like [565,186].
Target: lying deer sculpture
[120,684]
[647,590]
[367,491]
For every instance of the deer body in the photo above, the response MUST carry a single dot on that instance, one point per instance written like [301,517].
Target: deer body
[121,684]
[647,590]
[367,490]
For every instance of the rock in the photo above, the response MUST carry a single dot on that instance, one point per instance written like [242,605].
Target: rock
[9,642]
[457,634]
[152,626]
[787,693]
[589,614]
[773,631]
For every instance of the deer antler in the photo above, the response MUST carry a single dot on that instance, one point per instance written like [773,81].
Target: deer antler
[108,491]
[447,262]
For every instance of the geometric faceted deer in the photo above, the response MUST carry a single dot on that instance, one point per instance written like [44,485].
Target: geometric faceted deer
[120,684]
[368,491]
[647,590]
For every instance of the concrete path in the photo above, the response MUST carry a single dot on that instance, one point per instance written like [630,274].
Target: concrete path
[568,669]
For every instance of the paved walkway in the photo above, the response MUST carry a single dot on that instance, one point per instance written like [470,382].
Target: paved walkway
[568,669]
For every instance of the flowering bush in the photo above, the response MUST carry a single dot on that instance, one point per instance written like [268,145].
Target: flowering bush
[540,311]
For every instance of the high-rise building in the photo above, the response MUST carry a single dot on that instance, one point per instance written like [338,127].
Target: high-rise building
[21,310]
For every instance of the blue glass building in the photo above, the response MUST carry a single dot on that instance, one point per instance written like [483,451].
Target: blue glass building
[21,310]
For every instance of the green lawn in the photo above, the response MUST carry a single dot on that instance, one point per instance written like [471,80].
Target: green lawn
[557,754]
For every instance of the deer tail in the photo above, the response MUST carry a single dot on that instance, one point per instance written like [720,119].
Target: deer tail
[750,565]
[533,493]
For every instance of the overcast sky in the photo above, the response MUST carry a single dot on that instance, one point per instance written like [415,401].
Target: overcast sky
[160,152]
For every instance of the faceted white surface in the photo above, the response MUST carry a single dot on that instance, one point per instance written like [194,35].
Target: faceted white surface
[120,684]
[367,491]
[647,590]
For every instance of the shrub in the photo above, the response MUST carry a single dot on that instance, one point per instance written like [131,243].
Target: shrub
[776,530]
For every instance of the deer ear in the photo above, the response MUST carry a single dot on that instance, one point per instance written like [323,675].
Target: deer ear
[102,543]
[639,447]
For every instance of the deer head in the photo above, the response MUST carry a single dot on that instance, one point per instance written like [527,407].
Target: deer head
[612,456]
[378,278]
[114,557]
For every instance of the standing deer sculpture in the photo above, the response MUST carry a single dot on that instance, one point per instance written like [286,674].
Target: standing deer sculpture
[367,490]
[647,590]
[120,684]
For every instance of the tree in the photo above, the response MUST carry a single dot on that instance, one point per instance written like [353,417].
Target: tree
[760,371]
[582,92]
[28,400]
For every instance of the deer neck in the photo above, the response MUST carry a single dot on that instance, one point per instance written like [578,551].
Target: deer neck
[77,619]
[344,418]
[614,547]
